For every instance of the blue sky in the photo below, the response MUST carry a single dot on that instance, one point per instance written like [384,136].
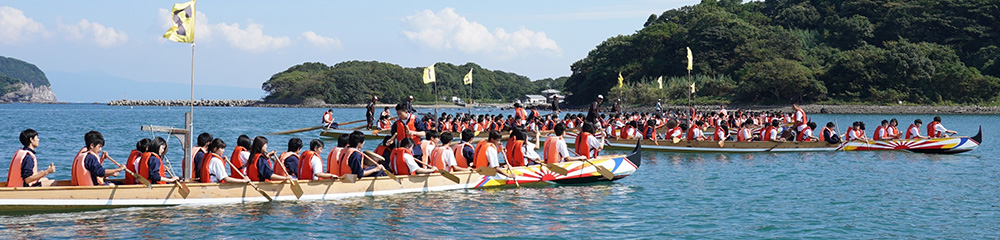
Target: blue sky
[240,44]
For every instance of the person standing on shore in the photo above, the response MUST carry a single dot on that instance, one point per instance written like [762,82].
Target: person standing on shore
[370,112]
[936,130]
[23,170]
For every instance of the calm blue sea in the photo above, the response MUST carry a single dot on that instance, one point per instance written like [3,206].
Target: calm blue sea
[832,195]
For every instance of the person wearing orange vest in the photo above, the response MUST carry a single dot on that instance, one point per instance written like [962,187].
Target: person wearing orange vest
[335,164]
[695,132]
[151,164]
[311,166]
[213,169]
[241,153]
[132,162]
[673,130]
[403,162]
[770,132]
[856,132]
[487,153]
[800,118]
[586,143]
[892,132]
[829,134]
[259,166]
[806,134]
[199,153]
[87,169]
[443,157]
[936,130]
[328,119]
[464,151]
[555,149]
[407,125]
[290,159]
[520,115]
[881,132]
[23,171]
[913,132]
[721,133]
[744,134]
[355,160]
[426,146]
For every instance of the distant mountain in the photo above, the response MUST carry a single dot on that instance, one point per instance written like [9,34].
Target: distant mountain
[21,81]
[101,87]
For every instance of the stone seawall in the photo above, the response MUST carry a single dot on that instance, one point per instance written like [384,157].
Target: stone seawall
[200,103]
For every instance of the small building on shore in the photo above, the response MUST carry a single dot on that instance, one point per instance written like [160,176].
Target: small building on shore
[532,99]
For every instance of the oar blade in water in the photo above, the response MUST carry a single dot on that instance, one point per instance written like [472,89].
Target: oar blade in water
[142,179]
[605,172]
[557,169]
[296,189]
[183,189]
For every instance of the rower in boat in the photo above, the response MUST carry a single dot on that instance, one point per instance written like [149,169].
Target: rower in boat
[213,170]
[443,157]
[241,153]
[555,149]
[586,143]
[800,118]
[881,132]
[487,153]
[403,161]
[649,131]
[290,159]
[721,133]
[407,125]
[385,112]
[829,134]
[427,145]
[335,162]
[151,164]
[806,134]
[696,132]
[674,130]
[311,167]
[328,119]
[913,132]
[464,151]
[893,129]
[259,166]
[87,169]
[936,130]
[770,132]
[370,112]
[355,160]
[856,132]
[23,171]
[744,134]
[199,152]
[132,163]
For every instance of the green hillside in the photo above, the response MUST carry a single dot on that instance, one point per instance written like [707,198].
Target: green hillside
[873,51]
[14,71]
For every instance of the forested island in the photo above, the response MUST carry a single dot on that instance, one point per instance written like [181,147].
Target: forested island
[21,81]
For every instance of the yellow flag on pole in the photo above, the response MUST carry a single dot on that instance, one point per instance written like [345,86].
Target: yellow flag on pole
[429,76]
[468,78]
[659,81]
[692,87]
[182,17]
[690,60]
[620,79]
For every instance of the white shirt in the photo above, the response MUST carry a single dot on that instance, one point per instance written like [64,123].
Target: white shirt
[317,165]
[880,131]
[774,134]
[798,116]
[491,157]
[940,128]
[217,170]
[698,133]
[593,142]
[915,132]
[448,157]
[410,162]
[529,153]
[676,134]
[562,149]
[808,132]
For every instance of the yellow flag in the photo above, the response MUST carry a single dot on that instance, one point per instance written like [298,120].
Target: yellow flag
[620,79]
[429,76]
[182,17]
[692,87]
[690,61]
[659,80]
[468,78]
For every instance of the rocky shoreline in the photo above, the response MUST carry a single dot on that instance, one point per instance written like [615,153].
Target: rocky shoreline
[811,108]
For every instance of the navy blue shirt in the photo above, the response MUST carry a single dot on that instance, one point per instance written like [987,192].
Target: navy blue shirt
[354,161]
[27,165]
[154,168]
[469,154]
[264,170]
[94,166]
[197,162]
[292,166]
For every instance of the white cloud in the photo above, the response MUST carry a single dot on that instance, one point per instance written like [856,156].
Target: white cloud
[15,27]
[321,41]
[447,30]
[202,27]
[251,38]
[99,34]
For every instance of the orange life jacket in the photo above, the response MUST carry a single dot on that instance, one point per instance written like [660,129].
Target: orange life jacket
[333,161]
[877,135]
[516,154]
[426,147]
[144,166]
[437,158]
[403,130]
[551,150]
[582,147]
[765,134]
[14,174]
[80,176]
[672,131]
[822,133]
[520,114]
[481,159]
[253,171]
[237,164]
[460,159]
[892,131]
[625,130]
[719,135]
[649,133]
[743,135]
[909,130]
[344,160]
[305,165]
[130,165]
[801,136]
[691,134]
[327,117]
[280,170]
[398,161]
[205,163]
[933,133]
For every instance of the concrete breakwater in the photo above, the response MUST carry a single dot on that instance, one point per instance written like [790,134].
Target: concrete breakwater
[200,103]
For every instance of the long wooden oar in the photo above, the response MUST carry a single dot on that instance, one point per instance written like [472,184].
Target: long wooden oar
[296,188]
[181,186]
[512,175]
[442,171]
[141,179]
[269,199]
[368,155]
[600,169]
[553,167]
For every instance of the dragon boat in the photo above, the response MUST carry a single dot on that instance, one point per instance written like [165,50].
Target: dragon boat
[945,145]
[66,198]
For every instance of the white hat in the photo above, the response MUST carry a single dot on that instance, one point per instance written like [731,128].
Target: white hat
[600,96]
[411,96]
